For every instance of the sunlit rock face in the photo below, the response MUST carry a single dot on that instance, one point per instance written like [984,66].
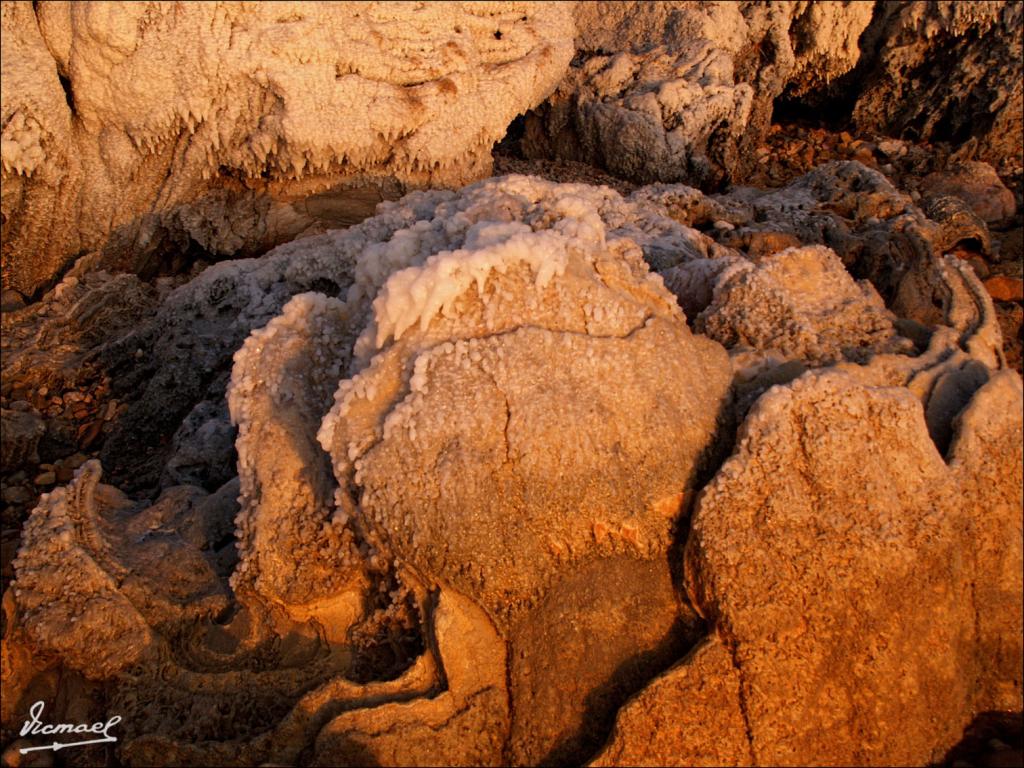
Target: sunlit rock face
[148,129]
[684,92]
[504,455]
[979,48]
[679,91]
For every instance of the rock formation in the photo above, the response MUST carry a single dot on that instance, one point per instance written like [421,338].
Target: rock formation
[320,447]
[681,91]
[152,135]
[150,131]
[977,100]
[475,433]
[812,640]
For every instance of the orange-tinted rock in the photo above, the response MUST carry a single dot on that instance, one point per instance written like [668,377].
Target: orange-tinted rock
[1005,288]
[689,716]
[978,185]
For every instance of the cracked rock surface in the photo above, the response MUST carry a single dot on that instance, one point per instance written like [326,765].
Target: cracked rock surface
[482,515]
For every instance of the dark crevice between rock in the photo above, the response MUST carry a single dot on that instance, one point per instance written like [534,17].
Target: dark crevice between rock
[174,254]
[50,284]
[391,637]
[623,684]
[950,395]
[997,738]
[69,94]
[690,627]
[719,450]
[831,107]
[511,144]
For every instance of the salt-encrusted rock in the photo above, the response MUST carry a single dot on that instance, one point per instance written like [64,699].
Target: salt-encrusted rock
[151,129]
[676,91]
[293,549]
[945,71]
[186,347]
[465,724]
[503,472]
[547,287]
[875,594]
[802,303]
[181,356]
[877,231]
[906,651]
[96,580]
[978,185]
[474,359]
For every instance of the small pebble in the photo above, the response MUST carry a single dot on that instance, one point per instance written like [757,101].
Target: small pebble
[45,478]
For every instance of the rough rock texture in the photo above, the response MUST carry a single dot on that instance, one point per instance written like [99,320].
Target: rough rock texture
[93,577]
[872,633]
[20,441]
[993,424]
[679,91]
[150,129]
[802,303]
[283,380]
[945,71]
[464,725]
[838,563]
[497,293]
[877,231]
[683,91]
[471,431]
[668,722]
[978,185]
[457,403]
[180,357]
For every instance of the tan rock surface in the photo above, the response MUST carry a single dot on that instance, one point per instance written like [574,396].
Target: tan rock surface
[670,721]
[802,303]
[978,185]
[992,424]
[841,664]
[854,559]
[478,396]
[159,127]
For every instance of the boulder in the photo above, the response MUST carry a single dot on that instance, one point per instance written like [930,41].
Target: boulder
[978,185]
[864,602]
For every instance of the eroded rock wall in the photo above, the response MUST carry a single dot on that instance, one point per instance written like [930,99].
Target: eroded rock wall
[678,91]
[150,129]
